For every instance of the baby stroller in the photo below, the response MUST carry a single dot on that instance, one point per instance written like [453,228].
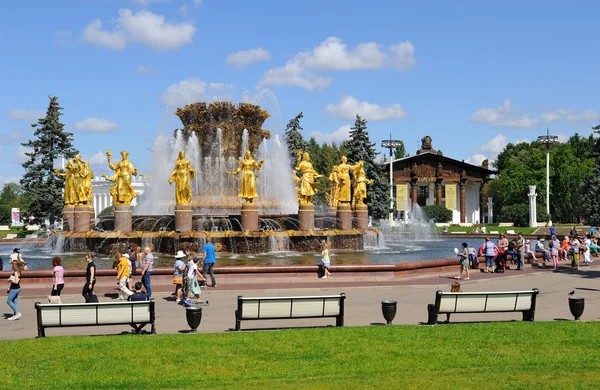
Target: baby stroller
[500,263]
[197,291]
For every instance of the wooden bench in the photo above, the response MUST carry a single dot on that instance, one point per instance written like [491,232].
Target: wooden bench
[483,302]
[278,308]
[506,224]
[10,236]
[510,232]
[136,314]
[494,232]
[4,228]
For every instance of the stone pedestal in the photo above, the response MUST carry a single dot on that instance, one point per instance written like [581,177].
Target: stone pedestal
[250,217]
[82,218]
[183,218]
[122,218]
[361,217]
[344,216]
[331,211]
[306,216]
[69,218]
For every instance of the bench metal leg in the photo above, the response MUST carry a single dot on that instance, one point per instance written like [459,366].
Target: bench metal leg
[153,329]
[529,315]
[41,332]
[237,322]
[339,321]
[432,315]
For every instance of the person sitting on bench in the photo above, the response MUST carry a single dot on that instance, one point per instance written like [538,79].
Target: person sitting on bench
[138,295]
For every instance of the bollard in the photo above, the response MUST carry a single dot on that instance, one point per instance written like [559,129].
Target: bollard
[193,315]
[388,308]
[576,305]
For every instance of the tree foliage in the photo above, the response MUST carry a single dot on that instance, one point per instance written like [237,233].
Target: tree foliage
[358,148]
[11,197]
[400,151]
[590,201]
[524,164]
[439,214]
[42,186]
[294,139]
[519,214]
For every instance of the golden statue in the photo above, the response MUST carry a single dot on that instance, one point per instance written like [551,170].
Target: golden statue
[344,180]
[308,186]
[122,192]
[85,189]
[77,168]
[182,174]
[360,184]
[334,187]
[247,165]
[70,196]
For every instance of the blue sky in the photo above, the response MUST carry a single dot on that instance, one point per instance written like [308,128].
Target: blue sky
[473,75]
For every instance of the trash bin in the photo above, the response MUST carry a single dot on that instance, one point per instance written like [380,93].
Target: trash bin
[576,305]
[388,308]
[193,315]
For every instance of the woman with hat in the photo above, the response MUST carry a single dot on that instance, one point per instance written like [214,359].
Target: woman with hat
[178,274]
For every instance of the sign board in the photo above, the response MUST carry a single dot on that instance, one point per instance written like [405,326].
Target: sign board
[15,216]
[451,196]
[401,197]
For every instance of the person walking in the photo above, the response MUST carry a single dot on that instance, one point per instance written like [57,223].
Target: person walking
[178,273]
[490,247]
[463,256]
[520,252]
[90,279]
[14,289]
[325,259]
[209,258]
[123,275]
[58,277]
[147,264]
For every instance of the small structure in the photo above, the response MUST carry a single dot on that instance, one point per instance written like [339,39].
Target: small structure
[428,178]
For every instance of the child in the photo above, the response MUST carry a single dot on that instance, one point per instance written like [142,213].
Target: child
[554,252]
[574,244]
[463,261]
[454,287]
[138,295]
[528,250]
[473,262]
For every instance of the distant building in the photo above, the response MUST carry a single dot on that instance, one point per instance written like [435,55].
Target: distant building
[101,190]
[430,179]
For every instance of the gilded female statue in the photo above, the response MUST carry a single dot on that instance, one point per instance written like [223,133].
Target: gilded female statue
[360,184]
[85,189]
[344,180]
[334,187]
[308,186]
[122,192]
[182,174]
[247,165]
[70,197]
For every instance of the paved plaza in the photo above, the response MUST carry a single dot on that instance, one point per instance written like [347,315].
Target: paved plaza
[363,297]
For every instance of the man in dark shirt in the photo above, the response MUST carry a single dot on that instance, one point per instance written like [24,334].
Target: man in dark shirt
[138,295]
[90,280]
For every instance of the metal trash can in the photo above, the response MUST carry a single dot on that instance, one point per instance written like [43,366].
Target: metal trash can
[388,308]
[576,305]
[193,315]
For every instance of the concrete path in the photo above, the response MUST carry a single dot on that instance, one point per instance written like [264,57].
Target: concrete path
[363,308]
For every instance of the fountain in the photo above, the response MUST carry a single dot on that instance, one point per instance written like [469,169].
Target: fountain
[214,139]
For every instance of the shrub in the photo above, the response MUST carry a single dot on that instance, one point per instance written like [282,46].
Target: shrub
[439,214]
[106,211]
[519,214]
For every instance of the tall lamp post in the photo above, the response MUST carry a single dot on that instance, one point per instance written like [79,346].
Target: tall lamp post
[548,140]
[391,144]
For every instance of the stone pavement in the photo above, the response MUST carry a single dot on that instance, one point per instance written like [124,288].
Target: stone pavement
[363,297]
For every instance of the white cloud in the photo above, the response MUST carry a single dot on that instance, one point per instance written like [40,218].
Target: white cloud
[184,10]
[504,116]
[62,37]
[142,27]
[9,179]
[333,54]
[489,150]
[582,118]
[563,137]
[349,106]
[243,58]
[96,125]
[185,92]
[9,138]
[31,115]
[143,69]
[338,136]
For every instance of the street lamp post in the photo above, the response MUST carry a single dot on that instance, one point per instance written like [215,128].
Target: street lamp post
[391,144]
[548,140]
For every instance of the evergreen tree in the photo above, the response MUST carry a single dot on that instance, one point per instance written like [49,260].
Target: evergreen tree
[590,202]
[294,139]
[359,147]
[42,186]
[400,151]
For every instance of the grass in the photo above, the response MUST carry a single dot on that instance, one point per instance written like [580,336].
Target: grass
[471,229]
[518,355]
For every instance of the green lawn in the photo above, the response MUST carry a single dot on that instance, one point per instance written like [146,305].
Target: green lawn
[517,355]
[471,229]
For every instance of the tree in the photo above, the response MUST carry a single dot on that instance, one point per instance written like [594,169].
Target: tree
[358,148]
[10,197]
[42,186]
[294,139]
[440,153]
[590,202]
[400,151]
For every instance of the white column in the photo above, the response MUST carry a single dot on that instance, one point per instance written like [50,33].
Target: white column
[95,197]
[532,207]
[490,218]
